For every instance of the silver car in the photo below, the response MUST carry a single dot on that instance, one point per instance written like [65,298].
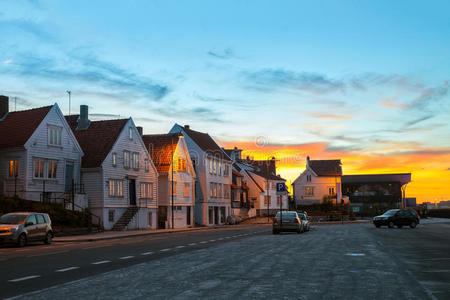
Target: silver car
[287,221]
[22,227]
[305,220]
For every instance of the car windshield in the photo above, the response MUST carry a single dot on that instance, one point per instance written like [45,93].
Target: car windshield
[286,214]
[390,212]
[12,219]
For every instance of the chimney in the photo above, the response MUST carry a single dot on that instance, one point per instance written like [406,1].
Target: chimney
[272,166]
[187,127]
[140,130]
[307,161]
[4,106]
[83,119]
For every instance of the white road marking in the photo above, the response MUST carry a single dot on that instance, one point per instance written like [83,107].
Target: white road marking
[24,278]
[179,247]
[147,253]
[220,239]
[164,250]
[101,262]
[67,269]
[126,257]
[355,254]
[192,244]
[203,242]
[228,237]
[212,240]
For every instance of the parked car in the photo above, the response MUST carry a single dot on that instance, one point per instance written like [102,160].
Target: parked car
[397,217]
[22,227]
[287,221]
[305,220]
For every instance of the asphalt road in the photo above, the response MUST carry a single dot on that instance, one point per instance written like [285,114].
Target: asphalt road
[350,261]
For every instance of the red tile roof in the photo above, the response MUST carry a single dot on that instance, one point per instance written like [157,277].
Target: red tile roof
[326,167]
[98,140]
[161,148]
[206,143]
[17,127]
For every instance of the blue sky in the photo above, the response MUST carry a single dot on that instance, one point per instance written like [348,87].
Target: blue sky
[369,76]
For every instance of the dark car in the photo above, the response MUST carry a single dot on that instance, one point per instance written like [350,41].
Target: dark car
[397,217]
[22,227]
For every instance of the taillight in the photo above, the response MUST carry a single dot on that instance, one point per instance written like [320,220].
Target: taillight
[275,220]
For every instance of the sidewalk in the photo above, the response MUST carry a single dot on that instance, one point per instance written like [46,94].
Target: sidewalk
[109,235]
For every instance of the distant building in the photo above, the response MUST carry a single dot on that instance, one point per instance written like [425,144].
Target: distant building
[374,193]
[320,180]
[444,204]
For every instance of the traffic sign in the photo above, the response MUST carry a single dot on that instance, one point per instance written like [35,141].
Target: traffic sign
[281,188]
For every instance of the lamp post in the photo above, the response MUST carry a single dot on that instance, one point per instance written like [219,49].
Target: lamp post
[172,180]
[267,189]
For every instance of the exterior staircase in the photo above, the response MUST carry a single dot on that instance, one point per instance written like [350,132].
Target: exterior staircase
[125,219]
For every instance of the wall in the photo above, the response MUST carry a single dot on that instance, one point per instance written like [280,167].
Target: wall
[320,184]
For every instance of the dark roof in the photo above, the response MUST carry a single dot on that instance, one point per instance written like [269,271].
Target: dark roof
[206,143]
[263,168]
[161,148]
[17,127]
[403,178]
[326,167]
[98,140]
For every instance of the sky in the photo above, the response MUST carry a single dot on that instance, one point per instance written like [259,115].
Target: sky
[366,82]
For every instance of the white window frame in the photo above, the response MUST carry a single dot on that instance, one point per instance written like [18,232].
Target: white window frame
[146,165]
[54,135]
[146,190]
[186,190]
[135,160]
[52,169]
[116,188]
[114,159]
[126,159]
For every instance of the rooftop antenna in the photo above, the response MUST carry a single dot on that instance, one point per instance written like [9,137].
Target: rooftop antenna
[69,92]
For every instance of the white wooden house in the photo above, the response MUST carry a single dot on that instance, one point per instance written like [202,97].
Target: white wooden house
[117,172]
[213,182]
[171,158]
[320,180]
[40,157]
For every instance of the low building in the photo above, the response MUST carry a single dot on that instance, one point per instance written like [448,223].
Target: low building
[375,193]
[117,172]
[40,158]
[176,179]
[321,181]
[240,202]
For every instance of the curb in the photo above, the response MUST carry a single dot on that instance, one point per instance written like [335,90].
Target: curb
[94,239]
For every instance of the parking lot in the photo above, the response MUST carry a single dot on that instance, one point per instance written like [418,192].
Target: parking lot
[349,261]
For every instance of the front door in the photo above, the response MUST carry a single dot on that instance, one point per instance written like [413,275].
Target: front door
[162,216]
[132,191]
[216,215]
[68,178]
[188,215]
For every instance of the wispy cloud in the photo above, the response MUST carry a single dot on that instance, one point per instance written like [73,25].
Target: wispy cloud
[87,69]
[227,53]
[333,117]
[268,79]
[392,103]
[430,95]
[418,120]
[7,61]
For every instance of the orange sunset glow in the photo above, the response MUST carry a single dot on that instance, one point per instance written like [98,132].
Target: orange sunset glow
[428,168]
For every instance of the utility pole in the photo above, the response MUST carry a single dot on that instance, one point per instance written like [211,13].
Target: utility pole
[267,189]
[69,92]
[172,180]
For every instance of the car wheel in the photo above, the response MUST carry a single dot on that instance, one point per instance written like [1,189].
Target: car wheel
[413,224]
[377,225]
[22,240]
[391,224]
[399,226]
[48,238]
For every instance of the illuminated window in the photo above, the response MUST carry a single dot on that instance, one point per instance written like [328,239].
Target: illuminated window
[309,191]
[51,168]
[186,189]
[116,188]
[181,164]
[39,166]
[220,191]
[13,168]
[267,200]
[147,190]
[331,191]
